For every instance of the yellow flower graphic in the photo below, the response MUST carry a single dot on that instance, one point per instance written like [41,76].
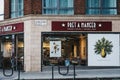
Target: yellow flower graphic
[103,47]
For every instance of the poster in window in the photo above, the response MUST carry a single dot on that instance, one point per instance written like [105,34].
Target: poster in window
[55,48]
[103,50]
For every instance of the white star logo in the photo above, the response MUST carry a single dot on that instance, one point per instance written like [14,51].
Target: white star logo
[14,28]
[63,25]
[100,25]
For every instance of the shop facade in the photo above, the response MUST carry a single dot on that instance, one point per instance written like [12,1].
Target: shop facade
[54,32]
[89,43]
[46,40]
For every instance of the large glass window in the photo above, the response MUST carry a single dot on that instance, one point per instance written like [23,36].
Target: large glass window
[16,8]
[104,7]
[58,47]
[58,7]
[2,10]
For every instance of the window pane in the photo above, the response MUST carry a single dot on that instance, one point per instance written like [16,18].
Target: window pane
[50,11]
[93,11]
[93,3]
[58,7]
[70,3]
[1,17]
[20,7]
[66,3]
[16,8]
[109,3]
[13,8]
[20,13]
[12,5]
[2,10]
[50,3]
[101,7]
[66,11]
[20,4]
[109,11]
[13,15]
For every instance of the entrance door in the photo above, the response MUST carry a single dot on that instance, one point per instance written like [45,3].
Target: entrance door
[12,47]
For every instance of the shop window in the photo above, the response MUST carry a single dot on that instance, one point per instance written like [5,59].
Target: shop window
[58,7]
[12,46]
[20,46]
[16,8]
[101,7]
[72,47]
[2,10]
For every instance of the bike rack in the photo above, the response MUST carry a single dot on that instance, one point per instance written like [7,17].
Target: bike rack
[59,70]
[67,63]
[11,68]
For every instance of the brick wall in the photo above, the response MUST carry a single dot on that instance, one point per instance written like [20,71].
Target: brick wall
[37,6]
[6,9]
[27,7]
[32,7]
[79,7]
[118,6]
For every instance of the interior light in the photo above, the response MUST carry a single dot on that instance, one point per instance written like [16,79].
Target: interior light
[6,37]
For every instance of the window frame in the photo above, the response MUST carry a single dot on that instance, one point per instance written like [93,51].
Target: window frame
[57,9]
[100,9]
[17,12]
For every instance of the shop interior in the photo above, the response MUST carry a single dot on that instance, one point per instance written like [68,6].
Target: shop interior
[12,47]
[73,47]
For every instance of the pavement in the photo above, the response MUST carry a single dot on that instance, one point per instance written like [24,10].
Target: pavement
[80,74]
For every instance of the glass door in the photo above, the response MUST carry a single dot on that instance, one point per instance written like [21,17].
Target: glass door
[12,47]
[20,50]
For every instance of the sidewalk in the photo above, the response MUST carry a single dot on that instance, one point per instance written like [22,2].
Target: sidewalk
[85,73]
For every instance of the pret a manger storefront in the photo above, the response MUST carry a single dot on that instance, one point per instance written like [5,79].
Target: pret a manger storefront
[90,43]
[42,41]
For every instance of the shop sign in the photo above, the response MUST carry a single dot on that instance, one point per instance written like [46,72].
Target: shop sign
[81,26]
[40,22]
[55,48]
[12,28]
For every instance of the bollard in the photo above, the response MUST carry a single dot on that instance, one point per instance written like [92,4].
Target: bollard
[74,73]
[19,67]
[19,74]
[52,72]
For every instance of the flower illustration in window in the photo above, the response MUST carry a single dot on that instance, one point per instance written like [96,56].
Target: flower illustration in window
[103,47]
